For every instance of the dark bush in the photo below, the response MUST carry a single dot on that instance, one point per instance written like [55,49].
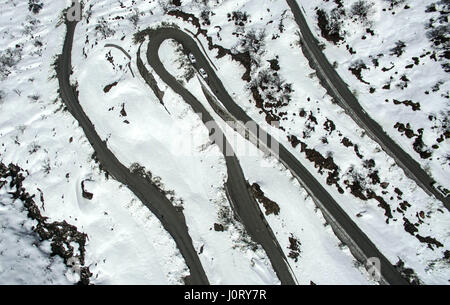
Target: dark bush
[399,48]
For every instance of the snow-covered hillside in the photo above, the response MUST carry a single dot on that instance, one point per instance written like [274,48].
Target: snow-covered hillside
[125,240]
[164,139]
[395,56]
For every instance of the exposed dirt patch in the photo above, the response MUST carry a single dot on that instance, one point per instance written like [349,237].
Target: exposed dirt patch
[319,162]
[123,113]
[418,145]
[271,206]
[294,246]
[356,69]
[87,195]
[413,105]
[413,229]
[109,87]
[407,273]
[431,241]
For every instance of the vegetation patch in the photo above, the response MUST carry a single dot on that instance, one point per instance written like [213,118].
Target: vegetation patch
[320,162]
[62,236]
[330,24]
[356,69]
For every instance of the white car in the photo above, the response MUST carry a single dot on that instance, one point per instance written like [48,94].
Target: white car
[203,73]
[192,58]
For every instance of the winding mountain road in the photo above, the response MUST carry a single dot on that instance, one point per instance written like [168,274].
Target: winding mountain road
[344,227]
[242,201]
[171,218]
[339,90]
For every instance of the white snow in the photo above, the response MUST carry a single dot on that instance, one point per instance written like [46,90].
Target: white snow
[127,244]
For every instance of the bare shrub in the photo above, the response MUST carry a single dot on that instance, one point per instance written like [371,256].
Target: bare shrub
[399,48]
[103,29]
[8,59]
[35,6]
[362,10]
[134,17]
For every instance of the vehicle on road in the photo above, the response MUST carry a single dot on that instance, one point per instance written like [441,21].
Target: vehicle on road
[192,58]
[203,73]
